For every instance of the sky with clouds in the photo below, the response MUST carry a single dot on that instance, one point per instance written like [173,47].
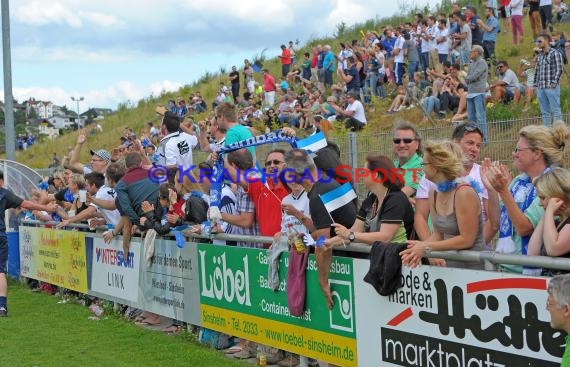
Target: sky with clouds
[113,51]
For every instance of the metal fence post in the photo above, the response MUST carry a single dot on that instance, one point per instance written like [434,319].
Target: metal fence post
[353,152]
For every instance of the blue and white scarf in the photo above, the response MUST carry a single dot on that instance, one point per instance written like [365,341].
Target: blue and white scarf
[524,193]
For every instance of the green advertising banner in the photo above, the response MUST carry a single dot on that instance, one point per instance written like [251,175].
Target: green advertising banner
[235,298]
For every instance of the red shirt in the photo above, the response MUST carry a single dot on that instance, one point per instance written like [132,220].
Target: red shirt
[315,60]
[268,83]
[267,202]
[286,57]
[177,208]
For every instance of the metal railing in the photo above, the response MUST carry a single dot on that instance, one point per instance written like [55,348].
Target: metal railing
[487,257]
[503,136]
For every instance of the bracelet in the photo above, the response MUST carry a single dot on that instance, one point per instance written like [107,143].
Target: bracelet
[427,249]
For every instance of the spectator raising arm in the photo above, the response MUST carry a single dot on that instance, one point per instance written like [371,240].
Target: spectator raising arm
[74,164]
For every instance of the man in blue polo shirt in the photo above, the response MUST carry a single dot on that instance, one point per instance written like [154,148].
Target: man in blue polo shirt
[490,29]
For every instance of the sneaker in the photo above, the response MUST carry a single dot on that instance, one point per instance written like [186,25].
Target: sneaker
[3,312]
[273,355]
[291,360]
[245,353]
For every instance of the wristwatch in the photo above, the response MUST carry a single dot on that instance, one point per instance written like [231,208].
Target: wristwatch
[351,237]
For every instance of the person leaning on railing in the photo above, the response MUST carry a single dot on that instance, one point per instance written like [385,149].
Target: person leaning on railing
[455,208]
[551,236]
[385,215]
[538,149]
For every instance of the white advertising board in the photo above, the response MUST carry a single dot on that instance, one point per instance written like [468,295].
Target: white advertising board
[169,286]
[113,273]
[449,317]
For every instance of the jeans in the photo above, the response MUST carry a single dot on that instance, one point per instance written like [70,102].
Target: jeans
[412,68]
[546,16]
[464,58]
[430,104]
[424,60]
[549,102]
[489,48]
[370,84]
[448,102]
[328,78]
[285,68]
[476,113]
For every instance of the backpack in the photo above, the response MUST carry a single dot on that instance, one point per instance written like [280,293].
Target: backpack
[196,209]
[560,46]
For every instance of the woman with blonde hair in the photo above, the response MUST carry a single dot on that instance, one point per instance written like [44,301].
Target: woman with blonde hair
[454,205]
[551,237]
[75,184]
[538,149]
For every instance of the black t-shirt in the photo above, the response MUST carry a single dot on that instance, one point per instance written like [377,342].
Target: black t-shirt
[345,215]
[236,80]
[7,201]
[354,84]
[395,209]
[476,33]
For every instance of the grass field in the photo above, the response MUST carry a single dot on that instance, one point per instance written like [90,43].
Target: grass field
[40,332]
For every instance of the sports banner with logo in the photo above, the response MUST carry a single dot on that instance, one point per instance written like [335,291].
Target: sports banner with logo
[54,256]
[113,272]
[235,298]
[449,317]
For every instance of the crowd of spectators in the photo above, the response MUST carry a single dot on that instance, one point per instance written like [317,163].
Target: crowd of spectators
[444,64]
[25,141]
[449,198]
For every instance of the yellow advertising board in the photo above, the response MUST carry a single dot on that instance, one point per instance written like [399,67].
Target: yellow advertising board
[54,256]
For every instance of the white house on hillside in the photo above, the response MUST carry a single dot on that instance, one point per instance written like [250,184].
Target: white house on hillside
[43,109]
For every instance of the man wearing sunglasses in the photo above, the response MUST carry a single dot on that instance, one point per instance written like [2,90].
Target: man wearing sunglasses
[407,143]
[267,196]
[470,139]
[558,305]
[549,68]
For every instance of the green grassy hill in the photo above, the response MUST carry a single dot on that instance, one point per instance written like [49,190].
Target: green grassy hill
[39,155]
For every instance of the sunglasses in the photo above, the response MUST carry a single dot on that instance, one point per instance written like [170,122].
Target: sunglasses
[275,162]
[405,140]
[471,127]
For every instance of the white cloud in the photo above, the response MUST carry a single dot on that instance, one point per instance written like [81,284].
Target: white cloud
[101,19]
[38,13]
[276,13]
[120,92]
[350,12]
[69,54]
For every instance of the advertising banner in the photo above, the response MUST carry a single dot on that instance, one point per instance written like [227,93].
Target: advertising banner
[169,285]
[449,317]
[236,299]
[54,256]
[112,272]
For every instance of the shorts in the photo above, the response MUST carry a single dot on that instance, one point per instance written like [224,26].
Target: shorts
[3,254]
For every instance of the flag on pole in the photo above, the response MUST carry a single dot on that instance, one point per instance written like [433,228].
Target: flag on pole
[338,197]
[313,143]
